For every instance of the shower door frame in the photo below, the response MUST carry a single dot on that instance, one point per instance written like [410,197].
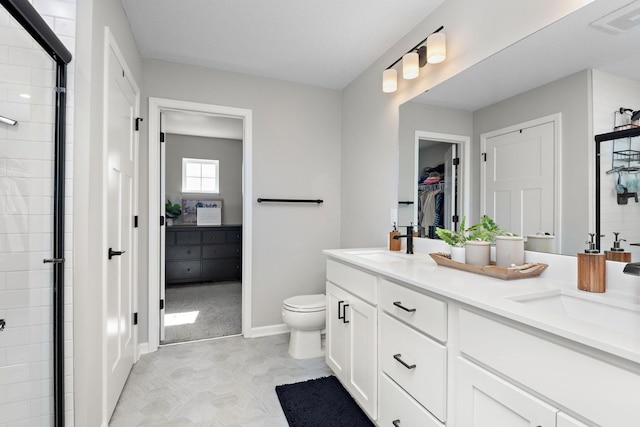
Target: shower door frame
[23,12]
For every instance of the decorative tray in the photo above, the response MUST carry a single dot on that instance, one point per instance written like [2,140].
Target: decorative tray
[504,273]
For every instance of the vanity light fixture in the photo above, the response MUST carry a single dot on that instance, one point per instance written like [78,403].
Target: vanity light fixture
[417,57]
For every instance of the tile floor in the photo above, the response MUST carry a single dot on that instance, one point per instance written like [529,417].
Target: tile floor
[227,382]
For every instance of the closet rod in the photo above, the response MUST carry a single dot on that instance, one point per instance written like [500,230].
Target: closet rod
[318,201]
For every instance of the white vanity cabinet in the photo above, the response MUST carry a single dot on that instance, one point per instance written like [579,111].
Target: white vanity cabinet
[602,390]
[408,353]
[432,348]
[483,399]
[352,332]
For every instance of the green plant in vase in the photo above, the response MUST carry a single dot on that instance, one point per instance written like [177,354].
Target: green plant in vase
[172,210]
[454,238]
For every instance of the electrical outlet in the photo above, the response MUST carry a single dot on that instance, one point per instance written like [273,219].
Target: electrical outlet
[394,216]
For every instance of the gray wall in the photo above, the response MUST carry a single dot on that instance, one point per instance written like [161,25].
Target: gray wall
[432,156]
[88,209]
[296,154]
[570,96]
[227,151]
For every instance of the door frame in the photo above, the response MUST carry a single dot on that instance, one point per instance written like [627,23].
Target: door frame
[156,105]
[556,119]
[464,152]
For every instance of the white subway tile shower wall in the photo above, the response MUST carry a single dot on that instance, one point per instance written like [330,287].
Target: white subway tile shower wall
[26,194]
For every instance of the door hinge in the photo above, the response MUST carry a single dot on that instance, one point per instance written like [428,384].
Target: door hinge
[135,318]
[161,221]
[161,304]
[138,120]
[455,218]
[456,161]
[161,136]
[484,157]
[135,221]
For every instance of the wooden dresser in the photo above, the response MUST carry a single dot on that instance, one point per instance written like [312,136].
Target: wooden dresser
[203,254]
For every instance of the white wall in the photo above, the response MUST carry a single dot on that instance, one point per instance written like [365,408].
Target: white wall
[609,94]
[570,96]
[475,30]
[229,154]
[296,154]
[88,204]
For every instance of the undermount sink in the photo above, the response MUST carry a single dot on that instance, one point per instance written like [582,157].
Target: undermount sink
[379,255]
[618,316]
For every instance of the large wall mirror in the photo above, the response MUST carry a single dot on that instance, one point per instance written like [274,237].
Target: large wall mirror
[563,84]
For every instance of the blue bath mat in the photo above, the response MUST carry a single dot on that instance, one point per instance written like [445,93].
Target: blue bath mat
[322,402]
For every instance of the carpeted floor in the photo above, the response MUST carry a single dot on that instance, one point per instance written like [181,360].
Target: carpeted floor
[202,310]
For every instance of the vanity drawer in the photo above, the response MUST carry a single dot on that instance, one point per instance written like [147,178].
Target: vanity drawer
[430,315]
[602,392]
[396,404]
[359,283]
[182,252]
[425,377]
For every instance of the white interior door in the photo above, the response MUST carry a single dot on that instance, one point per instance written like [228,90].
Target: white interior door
[121,106]
[519,179]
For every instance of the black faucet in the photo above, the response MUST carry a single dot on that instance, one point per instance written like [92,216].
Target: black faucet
[409,237]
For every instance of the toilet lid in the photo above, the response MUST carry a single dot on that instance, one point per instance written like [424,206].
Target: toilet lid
[306,302]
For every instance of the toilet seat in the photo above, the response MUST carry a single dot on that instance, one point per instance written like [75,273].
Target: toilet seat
[306,303]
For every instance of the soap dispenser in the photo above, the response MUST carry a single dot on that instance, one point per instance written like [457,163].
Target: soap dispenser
[394,244]
[617,253]
[592,268]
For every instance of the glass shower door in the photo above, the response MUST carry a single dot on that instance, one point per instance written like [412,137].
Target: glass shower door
[27,154]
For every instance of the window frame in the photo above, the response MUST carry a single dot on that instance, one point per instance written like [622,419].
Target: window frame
[188,160]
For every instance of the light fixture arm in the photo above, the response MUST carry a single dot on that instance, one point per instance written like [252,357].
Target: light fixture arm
[415,48]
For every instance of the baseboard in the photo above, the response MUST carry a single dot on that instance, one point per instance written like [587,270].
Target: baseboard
[265,331]
[143,348]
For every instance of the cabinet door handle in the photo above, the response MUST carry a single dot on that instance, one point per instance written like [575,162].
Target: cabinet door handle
[399,305]
[396,423]
[398,358]
[344,313]
[339,308]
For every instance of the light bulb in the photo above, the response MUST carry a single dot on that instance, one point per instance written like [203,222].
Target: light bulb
[389,80]
[410,68]
[436,48]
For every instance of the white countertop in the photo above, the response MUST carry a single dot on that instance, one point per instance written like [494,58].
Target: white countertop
[493,295]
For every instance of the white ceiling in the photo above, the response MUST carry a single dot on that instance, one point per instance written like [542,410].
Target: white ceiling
[324,43]
[561,49]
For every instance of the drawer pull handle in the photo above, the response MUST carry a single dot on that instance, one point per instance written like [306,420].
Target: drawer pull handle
[399,305]
[396,423]
[344,313]
[398,358]
[340,316]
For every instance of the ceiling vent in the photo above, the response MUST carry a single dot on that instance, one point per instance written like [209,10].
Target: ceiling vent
[620,21]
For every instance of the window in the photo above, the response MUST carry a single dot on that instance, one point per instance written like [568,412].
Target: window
[200,176]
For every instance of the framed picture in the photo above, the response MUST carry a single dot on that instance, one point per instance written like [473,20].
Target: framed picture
[212,213]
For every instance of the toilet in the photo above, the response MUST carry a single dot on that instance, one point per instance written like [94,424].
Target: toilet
[306,316]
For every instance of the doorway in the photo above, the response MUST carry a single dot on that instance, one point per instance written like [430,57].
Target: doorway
[201,179]
[157,205]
